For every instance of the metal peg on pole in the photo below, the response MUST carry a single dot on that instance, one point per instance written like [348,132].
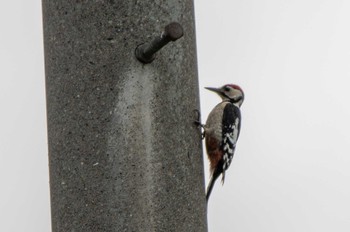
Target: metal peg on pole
[146,52]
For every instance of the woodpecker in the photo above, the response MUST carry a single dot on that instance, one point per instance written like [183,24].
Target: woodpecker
[222,130]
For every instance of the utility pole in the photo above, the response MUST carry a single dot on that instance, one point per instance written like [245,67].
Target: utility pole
[124,154]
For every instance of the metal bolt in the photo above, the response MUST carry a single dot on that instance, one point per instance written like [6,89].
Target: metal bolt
[145,53]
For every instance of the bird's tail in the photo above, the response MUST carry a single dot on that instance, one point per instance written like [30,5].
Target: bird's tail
[213,178]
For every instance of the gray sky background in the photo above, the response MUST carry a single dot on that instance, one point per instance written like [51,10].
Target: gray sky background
[292,165]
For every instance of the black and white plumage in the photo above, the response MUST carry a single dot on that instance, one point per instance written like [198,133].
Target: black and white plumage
[222,130]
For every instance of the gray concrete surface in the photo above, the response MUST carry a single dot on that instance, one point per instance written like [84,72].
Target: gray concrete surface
[124,154]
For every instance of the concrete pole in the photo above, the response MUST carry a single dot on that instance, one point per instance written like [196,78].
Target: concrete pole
[124,154]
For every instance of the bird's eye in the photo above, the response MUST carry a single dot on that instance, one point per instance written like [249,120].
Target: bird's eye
[227,89]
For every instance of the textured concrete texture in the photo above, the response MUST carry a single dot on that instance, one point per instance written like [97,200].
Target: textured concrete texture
[124,154]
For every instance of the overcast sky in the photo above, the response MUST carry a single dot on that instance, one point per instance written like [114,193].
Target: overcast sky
[291,170]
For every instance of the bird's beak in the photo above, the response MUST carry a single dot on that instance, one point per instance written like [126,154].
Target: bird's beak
[216,90]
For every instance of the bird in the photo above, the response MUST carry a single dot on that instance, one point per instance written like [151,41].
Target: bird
[221,131]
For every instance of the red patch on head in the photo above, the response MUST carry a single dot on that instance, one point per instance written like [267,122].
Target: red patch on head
[235,87]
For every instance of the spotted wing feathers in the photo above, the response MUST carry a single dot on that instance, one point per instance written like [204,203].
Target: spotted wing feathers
[231,127]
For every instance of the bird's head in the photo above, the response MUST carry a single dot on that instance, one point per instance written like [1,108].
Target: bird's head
[230,92]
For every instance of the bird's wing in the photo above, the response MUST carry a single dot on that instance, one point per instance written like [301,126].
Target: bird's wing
[230,133]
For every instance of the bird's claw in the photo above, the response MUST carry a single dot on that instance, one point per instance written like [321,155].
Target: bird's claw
[198,123]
